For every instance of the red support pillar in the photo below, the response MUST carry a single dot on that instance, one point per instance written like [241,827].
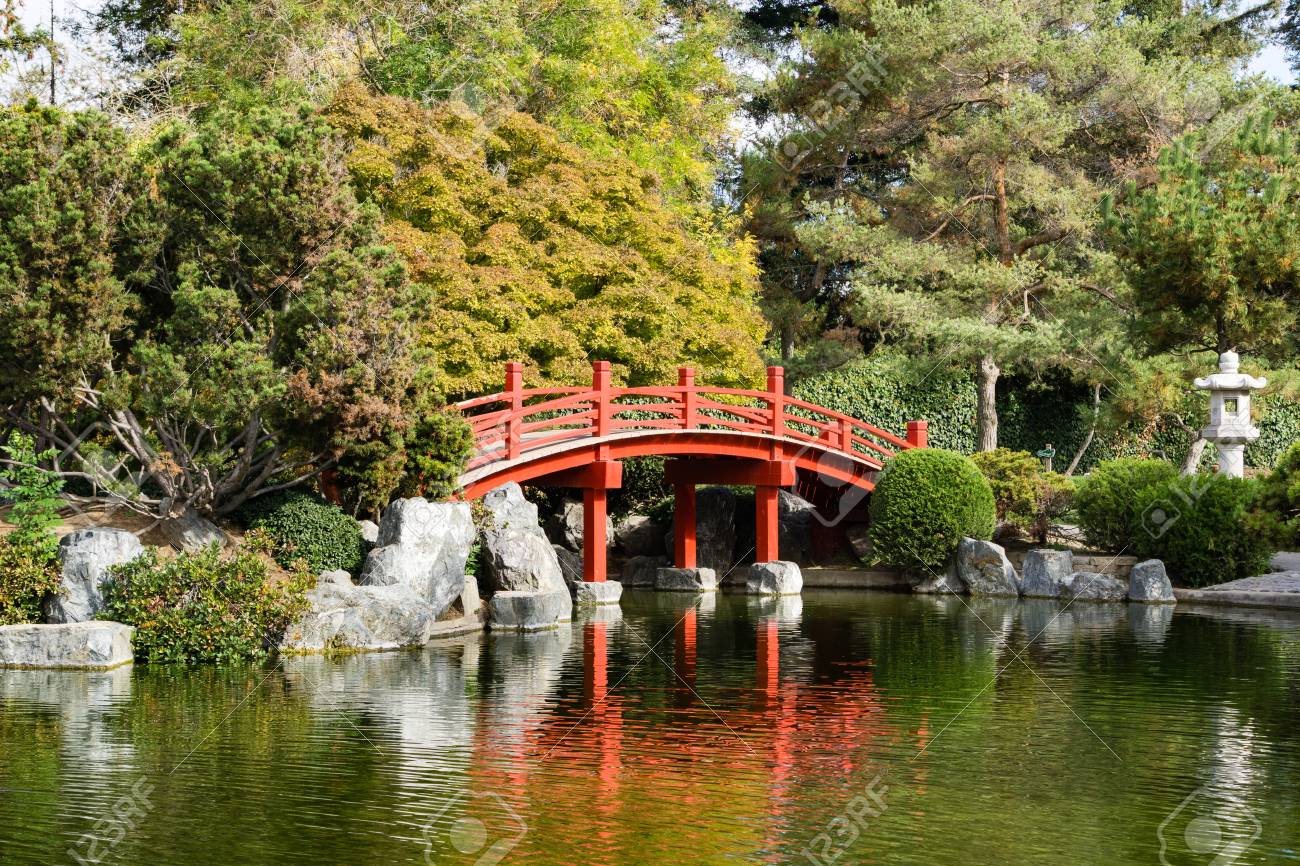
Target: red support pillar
[918,433]
[686,381]
[684,525]
[600,384]
[515,396]
[594,540]
[767,529]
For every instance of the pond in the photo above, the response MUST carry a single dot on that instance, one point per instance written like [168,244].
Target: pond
[836,728]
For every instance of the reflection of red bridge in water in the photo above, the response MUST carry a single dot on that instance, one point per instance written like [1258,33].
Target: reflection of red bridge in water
[591,763]
[575,437]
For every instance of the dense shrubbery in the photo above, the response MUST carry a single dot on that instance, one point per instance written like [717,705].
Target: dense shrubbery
[925,501]
[1027,496]
[1275,514]
[1200,525]
[643,488]
[1202,532]
[1108,503]
[304,526]
[202,607]
[28,553]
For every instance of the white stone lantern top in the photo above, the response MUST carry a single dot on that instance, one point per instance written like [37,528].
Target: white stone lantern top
[1230,428]
[1228,379]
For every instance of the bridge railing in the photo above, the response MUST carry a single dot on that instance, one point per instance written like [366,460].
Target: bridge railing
[517,420]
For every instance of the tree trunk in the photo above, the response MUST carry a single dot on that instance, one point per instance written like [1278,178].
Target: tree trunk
[987,412]
[1092,431]
[1193,458]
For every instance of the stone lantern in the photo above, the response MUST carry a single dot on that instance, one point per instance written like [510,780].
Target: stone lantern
[1230,428]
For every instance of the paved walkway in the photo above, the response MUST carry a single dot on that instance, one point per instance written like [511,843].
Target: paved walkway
[1279,589]
[1282,581]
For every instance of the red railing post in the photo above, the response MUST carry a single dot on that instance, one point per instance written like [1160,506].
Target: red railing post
[600,384]
[918,434]
[515,397]
[686,381]
[776,399]
[846,435]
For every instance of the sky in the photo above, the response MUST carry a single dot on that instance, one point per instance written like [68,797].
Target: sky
[1270,62]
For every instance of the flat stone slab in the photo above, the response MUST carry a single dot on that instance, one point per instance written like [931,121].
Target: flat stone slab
[1042,572]
[528,611]
[686,580]
[596,592]
[1281,581]
[74,645]
[778,577]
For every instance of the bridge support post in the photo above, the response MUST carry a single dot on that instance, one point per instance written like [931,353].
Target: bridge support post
[918,434]
[594,540]
[766,530]
[684,525]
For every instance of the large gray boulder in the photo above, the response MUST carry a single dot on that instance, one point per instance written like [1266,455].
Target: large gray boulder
[1147,582]
[189,530]
[715,529]
[946,583]
[686,580]
[341,618]
[570,563]
[422,546]
[1091,586]
[1043,571]
[529,611]
[779,577]
[641,570]
[795,517]
[638,535]
[517,556]
[984,568]
[566,526]
[86,556]
[73,645]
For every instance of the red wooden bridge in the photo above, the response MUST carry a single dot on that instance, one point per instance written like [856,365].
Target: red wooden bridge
[575,437]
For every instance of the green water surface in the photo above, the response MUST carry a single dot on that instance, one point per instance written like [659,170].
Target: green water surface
[838,728]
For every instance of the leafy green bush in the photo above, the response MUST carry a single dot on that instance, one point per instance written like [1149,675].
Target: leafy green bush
[1198,526]
[925,501]
[1014,477]
[202,607]
[304,526]
[1052,500]
[1107,501]
[1275,514]
[28,554]
[26,575]
[643,486]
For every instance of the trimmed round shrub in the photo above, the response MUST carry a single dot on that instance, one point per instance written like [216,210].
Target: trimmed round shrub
[304,526]
[1275,514]
[925,501]
[1197,525]
[1107,501]
[202,607]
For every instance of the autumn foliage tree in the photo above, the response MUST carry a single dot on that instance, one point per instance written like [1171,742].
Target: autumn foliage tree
[531,249]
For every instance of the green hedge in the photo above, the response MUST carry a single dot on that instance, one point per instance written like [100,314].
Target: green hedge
[201,607]
[1202,534]
[303,525]
[1108,503]
[889,389]
[925,500]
